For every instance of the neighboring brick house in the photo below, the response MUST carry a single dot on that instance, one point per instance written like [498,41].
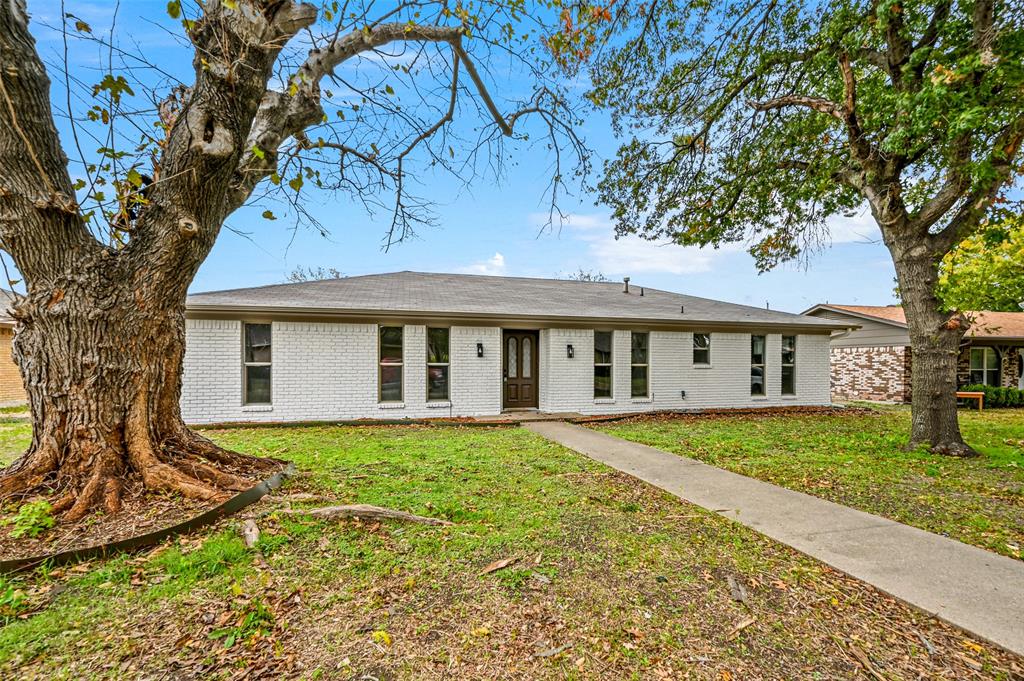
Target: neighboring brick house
[414,345]
[873,362]
[12,389]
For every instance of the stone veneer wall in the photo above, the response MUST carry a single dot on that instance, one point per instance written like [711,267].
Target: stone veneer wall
[874,373]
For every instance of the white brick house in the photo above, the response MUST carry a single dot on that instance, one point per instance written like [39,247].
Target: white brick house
[415,345]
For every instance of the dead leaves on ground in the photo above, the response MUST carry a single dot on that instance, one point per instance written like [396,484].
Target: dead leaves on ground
[497,565]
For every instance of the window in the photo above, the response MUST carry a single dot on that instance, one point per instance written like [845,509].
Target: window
[639,364]
[984,366]
[257,363]
[789,365]
[702,348]
[527,357]
[390,364]
[602,364]
[513,361]
[757,365]
[437,364]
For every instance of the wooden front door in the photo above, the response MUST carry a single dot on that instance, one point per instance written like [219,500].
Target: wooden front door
[519,368]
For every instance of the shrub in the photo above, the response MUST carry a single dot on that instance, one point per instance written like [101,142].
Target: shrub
[32,519]
[998,397]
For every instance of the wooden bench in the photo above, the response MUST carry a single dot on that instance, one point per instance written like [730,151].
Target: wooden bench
[971,395]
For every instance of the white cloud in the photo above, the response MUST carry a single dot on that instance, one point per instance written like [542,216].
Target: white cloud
[861,228]
[495,265]
[631,254]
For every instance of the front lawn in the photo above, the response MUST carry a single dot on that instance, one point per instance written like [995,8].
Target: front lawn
[858,460]
[611,579]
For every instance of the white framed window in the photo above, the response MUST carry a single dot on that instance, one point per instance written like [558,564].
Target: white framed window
[789,365]
[256,363]
[391,364]
[757,377]
[985,366]
[639,384]
[702,349]
[438,363]
[602,364]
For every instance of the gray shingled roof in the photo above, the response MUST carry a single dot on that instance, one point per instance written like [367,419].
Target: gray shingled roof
[423,294]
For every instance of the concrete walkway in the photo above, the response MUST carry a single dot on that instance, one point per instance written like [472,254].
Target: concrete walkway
[975,589]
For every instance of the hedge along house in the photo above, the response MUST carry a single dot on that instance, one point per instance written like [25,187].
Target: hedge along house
[416,345]
[873,362]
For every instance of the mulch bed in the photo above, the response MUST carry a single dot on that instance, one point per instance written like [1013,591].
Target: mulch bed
[705,414]
[141,512]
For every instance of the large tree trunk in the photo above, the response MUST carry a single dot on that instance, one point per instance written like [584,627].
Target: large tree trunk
[102,360]
[100,335]
[935,338]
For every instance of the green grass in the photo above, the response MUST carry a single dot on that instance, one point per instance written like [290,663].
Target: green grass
[634,581]
[860,461]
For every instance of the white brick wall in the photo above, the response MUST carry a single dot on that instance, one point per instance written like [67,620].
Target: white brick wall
[567,384]
[325,371]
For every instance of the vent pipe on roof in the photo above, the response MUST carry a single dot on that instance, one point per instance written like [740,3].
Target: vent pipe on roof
[625,280]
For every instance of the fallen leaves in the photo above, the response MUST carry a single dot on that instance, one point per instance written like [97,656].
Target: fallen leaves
[497,565]
[740,626]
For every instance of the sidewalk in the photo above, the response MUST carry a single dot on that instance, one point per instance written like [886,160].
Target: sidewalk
[969,587]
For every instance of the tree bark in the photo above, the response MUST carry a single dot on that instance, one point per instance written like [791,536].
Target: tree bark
[101,359]
[935,338]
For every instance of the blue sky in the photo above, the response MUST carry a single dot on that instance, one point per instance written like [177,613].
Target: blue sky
[491,227]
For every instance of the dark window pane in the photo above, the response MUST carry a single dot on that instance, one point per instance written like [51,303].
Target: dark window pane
[701,348]
[991,359]
[391,384]
[789,380]
[257,385]
[437,346]
[390,344]
[257,342]
[757,349]
[638,384]
[638,348]
[437,383]
[977,358]
[602,347]
[977,377]
[757,380]
[603,381]
[789,349]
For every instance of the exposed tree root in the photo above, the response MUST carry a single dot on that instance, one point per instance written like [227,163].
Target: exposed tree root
[959,449]
[191,467]
[364,511]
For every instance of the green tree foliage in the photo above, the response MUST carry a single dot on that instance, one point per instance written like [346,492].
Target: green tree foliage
[986,270]
[758,120]
[748,118]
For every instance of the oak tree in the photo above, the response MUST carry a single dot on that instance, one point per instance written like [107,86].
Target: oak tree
[759,120]
[357,97]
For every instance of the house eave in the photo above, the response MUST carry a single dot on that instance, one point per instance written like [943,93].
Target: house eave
[858,315]
[313,314]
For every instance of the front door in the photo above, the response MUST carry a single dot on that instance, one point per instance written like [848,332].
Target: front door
[519,367]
